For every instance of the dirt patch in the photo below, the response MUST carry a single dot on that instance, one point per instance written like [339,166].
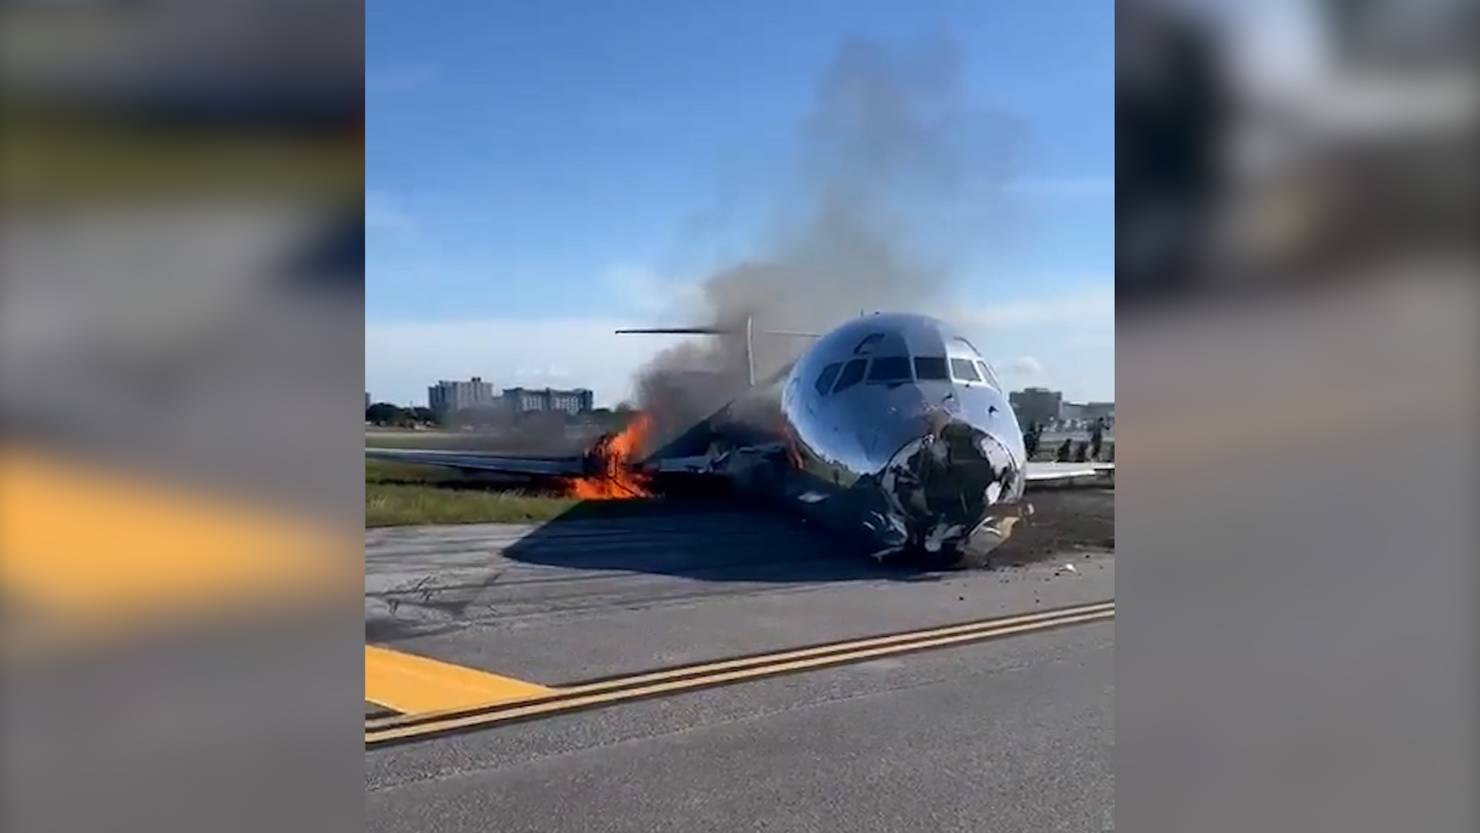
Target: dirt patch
[1063,521]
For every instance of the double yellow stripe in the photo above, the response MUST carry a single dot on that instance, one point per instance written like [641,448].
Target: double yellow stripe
[404,727]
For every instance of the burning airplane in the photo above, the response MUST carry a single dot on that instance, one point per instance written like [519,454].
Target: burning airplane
[892,430]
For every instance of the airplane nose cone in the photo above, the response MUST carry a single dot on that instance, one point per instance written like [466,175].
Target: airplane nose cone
[943,485]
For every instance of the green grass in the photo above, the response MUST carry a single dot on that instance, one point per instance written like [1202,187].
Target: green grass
[397,495]
[384,438]
[396,505]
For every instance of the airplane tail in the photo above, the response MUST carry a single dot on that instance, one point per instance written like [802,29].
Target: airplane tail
[749,332]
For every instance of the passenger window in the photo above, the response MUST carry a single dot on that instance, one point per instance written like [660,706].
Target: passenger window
[867,344]
[931,367]
[852,375]
[988,375]
[964,370]
[890,369]
[829,375]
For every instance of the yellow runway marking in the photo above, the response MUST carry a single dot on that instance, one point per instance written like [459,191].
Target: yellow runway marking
[408,726]
[410,683]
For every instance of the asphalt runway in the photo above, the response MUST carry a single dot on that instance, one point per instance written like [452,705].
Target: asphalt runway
[966,727]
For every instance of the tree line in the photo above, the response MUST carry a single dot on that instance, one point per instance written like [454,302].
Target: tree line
[392,415]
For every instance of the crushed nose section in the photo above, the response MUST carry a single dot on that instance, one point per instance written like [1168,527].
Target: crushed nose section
[945,485]
[888,531]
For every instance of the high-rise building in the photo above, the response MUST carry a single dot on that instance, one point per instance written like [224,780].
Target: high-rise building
[448,397]
[575,401]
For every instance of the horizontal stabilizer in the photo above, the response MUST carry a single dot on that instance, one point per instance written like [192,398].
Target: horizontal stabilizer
[711,331]
[680,331]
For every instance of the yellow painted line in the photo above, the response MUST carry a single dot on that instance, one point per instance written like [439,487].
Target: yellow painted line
[88,548]
[712,674]
[409,683]
[766,659]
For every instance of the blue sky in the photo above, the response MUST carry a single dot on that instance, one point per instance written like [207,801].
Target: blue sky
[538,173]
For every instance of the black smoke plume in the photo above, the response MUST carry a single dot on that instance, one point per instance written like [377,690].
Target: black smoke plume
[894,167]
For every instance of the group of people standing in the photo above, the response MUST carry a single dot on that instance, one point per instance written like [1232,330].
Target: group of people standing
[1068,450]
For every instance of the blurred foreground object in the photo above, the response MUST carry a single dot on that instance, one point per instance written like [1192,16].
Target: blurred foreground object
[181,267]
[1282,143]
[91,556]
[1298,340]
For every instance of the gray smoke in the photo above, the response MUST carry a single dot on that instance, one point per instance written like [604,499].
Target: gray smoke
[895,169]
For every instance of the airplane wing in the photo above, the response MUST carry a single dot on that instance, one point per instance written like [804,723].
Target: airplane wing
[1038,475]
[1055,475]
[476,461]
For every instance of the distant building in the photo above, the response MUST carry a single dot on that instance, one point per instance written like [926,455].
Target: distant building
[1039,405]
[525,400]
[367,400]
[1084,414]
[447,397]
[1099,410]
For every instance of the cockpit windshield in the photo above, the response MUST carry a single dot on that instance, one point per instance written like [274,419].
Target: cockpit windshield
[890,369]
[988,375]
[828,376]
[838,377]
[964,370]
[931,368]
[852,375]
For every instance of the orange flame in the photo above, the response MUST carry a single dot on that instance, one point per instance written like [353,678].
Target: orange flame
[613,455]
